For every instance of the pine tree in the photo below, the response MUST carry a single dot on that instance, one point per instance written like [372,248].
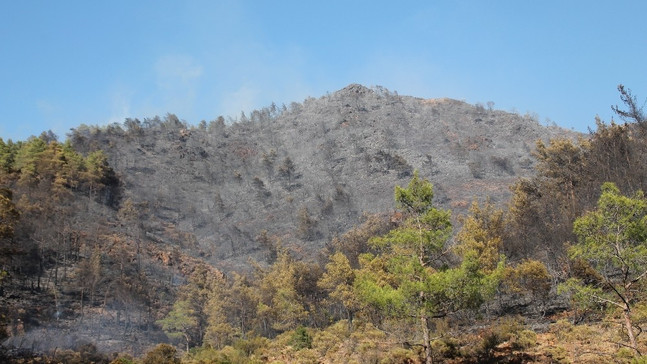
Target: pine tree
[482,232]
[280,307]
[338,280]
[180,321]
[612,239]
[406,278]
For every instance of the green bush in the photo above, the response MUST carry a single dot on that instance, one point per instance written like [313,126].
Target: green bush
[525,339]
[251,345]
[301,339]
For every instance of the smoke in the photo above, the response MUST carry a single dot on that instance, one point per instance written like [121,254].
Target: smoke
[109,331]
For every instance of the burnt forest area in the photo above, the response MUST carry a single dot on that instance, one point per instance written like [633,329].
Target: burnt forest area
[362,226]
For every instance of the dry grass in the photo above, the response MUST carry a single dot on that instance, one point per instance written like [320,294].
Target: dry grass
[587,343]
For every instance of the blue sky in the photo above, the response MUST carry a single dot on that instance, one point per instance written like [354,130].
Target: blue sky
[63,63]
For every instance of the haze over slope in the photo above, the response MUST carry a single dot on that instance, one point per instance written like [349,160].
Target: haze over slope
[308,172]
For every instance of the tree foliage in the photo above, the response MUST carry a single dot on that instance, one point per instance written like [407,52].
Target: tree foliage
[407,277]
[569,174]
[230,311]
[613,240]
[482,232]
[161,354]
[337,281]
[633,112]
[8,214]
[280,307]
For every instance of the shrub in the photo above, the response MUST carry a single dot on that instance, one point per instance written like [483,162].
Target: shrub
[511,329]
[446,347]
[567,332]
[301,339]
[525,339]
[251,345]
[558,354]
[125,359]
[161,354]
[488,344]
[399,356]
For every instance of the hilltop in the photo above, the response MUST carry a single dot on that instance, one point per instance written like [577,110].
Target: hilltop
[308,172]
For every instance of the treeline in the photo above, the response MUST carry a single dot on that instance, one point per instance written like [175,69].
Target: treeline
[567,183]
[87,137]
[42,181]
[70,245]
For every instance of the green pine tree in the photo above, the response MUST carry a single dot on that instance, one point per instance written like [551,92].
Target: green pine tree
[407,278]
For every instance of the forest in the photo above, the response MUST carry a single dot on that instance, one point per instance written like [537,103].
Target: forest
[556,274]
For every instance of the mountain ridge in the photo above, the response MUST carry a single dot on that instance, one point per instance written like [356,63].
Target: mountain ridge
[307,172]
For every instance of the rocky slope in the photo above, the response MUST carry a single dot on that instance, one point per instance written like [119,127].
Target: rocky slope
[308,172]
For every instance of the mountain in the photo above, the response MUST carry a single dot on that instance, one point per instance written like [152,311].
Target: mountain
[300,175]
[99,234]
[104,238]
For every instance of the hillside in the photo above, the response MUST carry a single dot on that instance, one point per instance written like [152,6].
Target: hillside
[103,233]
[307,172]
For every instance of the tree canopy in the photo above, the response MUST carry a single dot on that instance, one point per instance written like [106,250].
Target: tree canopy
[612,239]
[408,276]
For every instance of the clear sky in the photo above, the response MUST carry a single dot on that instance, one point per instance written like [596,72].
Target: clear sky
[63,63]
